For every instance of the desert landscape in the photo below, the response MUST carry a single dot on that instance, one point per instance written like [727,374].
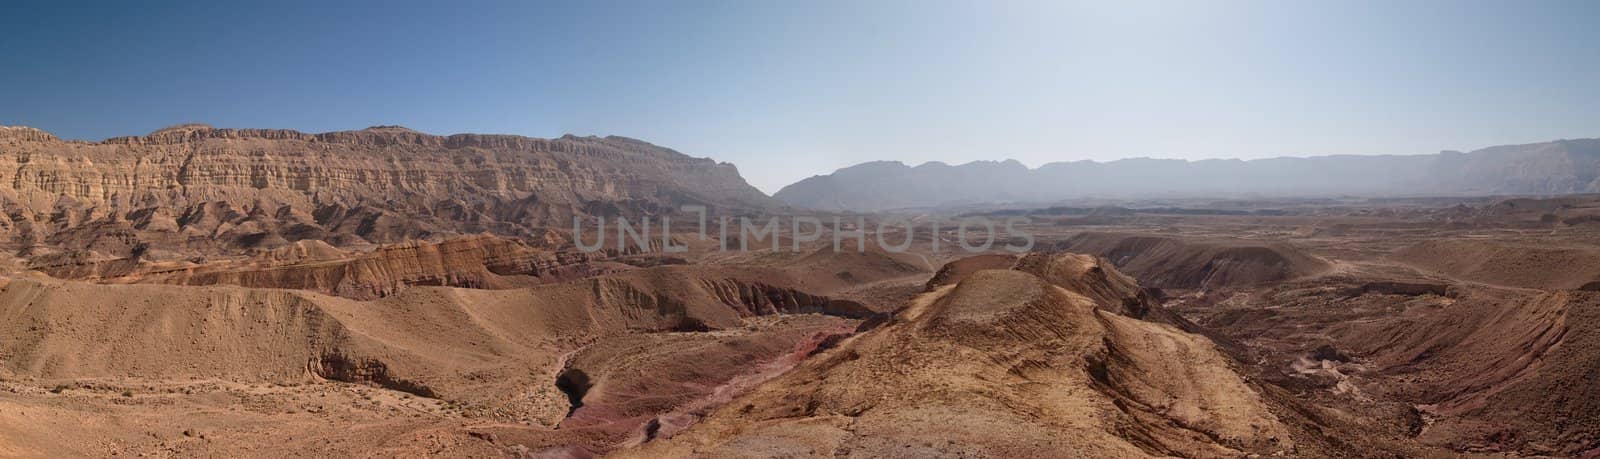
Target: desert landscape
[388,293]
[534,229]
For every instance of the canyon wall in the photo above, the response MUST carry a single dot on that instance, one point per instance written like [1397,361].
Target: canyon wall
[194,185]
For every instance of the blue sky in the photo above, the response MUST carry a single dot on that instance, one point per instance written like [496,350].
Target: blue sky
[786,90]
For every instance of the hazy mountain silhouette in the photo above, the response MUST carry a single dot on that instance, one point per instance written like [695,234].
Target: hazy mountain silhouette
[1558,167]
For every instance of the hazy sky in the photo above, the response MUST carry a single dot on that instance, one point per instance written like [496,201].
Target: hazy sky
[786,90]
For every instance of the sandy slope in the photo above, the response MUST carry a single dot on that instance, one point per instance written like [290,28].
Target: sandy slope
[491,356]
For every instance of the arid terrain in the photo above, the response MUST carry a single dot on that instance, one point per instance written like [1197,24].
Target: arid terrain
[386,293]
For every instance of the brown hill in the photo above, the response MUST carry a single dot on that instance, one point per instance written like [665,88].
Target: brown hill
[1181,263]
[1528,265]
[1004,363]
[1088,275]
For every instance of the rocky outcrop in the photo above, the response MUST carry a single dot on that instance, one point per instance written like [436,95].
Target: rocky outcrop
[15,134]
[194,185]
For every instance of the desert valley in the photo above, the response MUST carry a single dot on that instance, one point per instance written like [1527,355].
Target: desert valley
[388,293]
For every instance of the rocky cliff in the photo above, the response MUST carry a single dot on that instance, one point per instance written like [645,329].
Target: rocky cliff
[194,185]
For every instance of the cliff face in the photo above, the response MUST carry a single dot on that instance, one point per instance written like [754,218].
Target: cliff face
[1559,167]
[194,184]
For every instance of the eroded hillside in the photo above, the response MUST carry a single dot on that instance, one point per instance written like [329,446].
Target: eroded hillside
[195,188]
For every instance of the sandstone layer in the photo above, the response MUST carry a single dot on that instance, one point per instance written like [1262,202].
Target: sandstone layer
[198,187]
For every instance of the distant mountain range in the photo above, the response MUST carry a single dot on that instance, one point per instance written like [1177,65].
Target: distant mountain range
[1558,167]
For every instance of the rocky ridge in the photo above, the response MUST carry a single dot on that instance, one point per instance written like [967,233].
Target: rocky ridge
[198,187]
